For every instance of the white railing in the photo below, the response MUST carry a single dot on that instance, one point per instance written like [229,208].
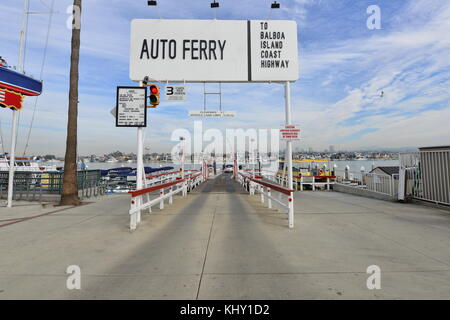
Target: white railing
[384,184]
[257,185]
[166,191]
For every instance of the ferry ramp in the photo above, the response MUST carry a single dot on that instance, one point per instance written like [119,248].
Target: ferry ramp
[221,243]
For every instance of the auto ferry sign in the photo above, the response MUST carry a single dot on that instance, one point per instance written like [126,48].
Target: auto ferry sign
[214,50]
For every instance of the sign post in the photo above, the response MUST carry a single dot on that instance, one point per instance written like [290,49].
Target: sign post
[131,111]
[287,93]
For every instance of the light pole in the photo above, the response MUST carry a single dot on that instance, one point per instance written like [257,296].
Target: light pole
[182,156]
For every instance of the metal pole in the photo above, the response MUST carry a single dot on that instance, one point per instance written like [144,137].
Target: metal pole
[182,157]
[12,159]
[140,165]
[287,89]
[12,155]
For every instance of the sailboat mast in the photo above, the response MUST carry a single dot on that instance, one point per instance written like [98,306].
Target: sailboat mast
[14,115]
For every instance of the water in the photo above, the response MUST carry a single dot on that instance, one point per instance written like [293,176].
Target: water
[355,165]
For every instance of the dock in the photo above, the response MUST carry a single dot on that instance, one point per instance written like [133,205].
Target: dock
[219,242]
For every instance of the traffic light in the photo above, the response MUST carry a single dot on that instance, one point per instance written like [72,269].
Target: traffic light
[154,95]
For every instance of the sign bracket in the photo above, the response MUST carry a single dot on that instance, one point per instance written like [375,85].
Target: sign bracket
[205,94]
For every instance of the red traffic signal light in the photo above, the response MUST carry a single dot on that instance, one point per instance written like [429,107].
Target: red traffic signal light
[154,95]
[154,89]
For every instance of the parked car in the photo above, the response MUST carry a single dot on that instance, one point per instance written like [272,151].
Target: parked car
[228,168]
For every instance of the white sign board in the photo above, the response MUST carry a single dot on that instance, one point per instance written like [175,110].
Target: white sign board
[214,50]
[211,113]
[290,132]
[175,93]
[130,107]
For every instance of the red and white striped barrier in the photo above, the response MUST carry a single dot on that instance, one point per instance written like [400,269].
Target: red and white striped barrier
[166,191]
[265,188]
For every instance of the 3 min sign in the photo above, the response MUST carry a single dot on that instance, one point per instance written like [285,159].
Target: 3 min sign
[214,50]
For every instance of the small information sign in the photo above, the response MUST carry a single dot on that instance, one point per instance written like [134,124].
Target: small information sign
[130,107]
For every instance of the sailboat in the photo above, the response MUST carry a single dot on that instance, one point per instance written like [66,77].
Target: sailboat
[14,85]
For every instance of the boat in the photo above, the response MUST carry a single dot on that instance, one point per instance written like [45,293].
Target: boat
[25,164]
[15,85]
[123,179]
[319,169]
[18,82]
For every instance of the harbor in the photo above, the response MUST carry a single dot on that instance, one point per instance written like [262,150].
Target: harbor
[224,160]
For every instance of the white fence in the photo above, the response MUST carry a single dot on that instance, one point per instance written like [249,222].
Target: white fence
[166,192]
[256,185]
[385,184]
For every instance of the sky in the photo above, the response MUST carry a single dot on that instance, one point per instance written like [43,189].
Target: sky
[343,66]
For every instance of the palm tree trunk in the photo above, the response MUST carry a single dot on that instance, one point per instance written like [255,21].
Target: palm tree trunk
[69,195]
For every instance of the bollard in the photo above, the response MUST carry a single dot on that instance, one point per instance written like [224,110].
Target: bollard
[269,200]
[133,215]
[138,214]
[291,210]
[161,203]
[171,196]
[261,189]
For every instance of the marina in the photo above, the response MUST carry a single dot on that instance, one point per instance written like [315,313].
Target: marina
[252,156]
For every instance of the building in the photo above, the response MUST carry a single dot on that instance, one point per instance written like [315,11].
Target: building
[388,171]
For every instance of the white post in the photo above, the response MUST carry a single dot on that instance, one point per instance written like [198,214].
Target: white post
[261,188]
[161,203]
[269,200]
[12,154]
[182,157]
[12,159]
[139,169]
[291,209]
[289,154]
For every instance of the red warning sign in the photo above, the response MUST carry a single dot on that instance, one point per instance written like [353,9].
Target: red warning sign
[290,132]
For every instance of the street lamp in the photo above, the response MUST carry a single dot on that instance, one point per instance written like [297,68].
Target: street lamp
[275,5]
[152,3]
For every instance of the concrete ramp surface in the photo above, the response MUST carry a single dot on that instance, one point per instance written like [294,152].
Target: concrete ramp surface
[221,243]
